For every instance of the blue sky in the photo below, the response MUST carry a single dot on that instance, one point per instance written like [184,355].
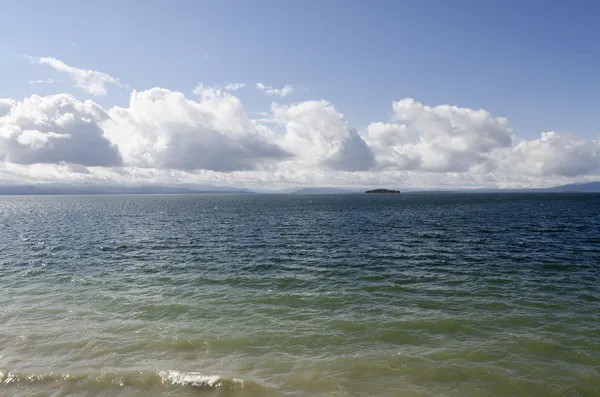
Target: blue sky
[534,62]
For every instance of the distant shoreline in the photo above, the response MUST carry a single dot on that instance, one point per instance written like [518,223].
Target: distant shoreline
[99,189]
[225,193]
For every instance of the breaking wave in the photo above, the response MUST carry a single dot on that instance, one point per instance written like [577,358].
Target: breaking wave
[141,380]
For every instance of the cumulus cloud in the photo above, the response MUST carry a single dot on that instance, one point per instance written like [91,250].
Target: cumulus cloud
[91,81]
[55,129]
[6,105]
[438,139]
[318,135]
[395,145]
[282,92]
[554,154]
[163,129]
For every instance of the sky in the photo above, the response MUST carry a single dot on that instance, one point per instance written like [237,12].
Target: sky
[278,94]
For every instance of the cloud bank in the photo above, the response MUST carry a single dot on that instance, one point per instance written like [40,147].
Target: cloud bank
[164,136]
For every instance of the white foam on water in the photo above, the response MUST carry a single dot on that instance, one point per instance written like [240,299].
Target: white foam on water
[6,378]
[195,379]
[168,378]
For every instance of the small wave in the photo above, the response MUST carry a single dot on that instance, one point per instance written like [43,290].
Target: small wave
[143,380]
[556,266]
[197,379]
[34,272]
[589,297]
[7,378]
[550,230]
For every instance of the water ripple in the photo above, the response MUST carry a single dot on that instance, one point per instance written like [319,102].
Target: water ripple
[411,295]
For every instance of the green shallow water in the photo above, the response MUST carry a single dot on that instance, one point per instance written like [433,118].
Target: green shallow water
[409,295]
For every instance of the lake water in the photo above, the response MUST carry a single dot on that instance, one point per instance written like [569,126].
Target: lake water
[288,295]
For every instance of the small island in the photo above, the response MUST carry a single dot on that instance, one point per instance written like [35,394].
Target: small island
[382,191]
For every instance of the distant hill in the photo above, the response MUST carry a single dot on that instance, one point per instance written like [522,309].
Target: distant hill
[60,189]
[92,188]
[589,187]
[326,190]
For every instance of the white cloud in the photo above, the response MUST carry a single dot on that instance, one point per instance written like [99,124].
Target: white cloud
[553,154]
[282,92]
[6,105]
[55,129]
[234,86]
[394,145]
[47,81]
[91,81]
[318,135]
[438,139]
[164,129]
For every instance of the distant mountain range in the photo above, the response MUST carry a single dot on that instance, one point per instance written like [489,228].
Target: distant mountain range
[589,187]
[60,189]
[91,188]
[577,187]
[327,190]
